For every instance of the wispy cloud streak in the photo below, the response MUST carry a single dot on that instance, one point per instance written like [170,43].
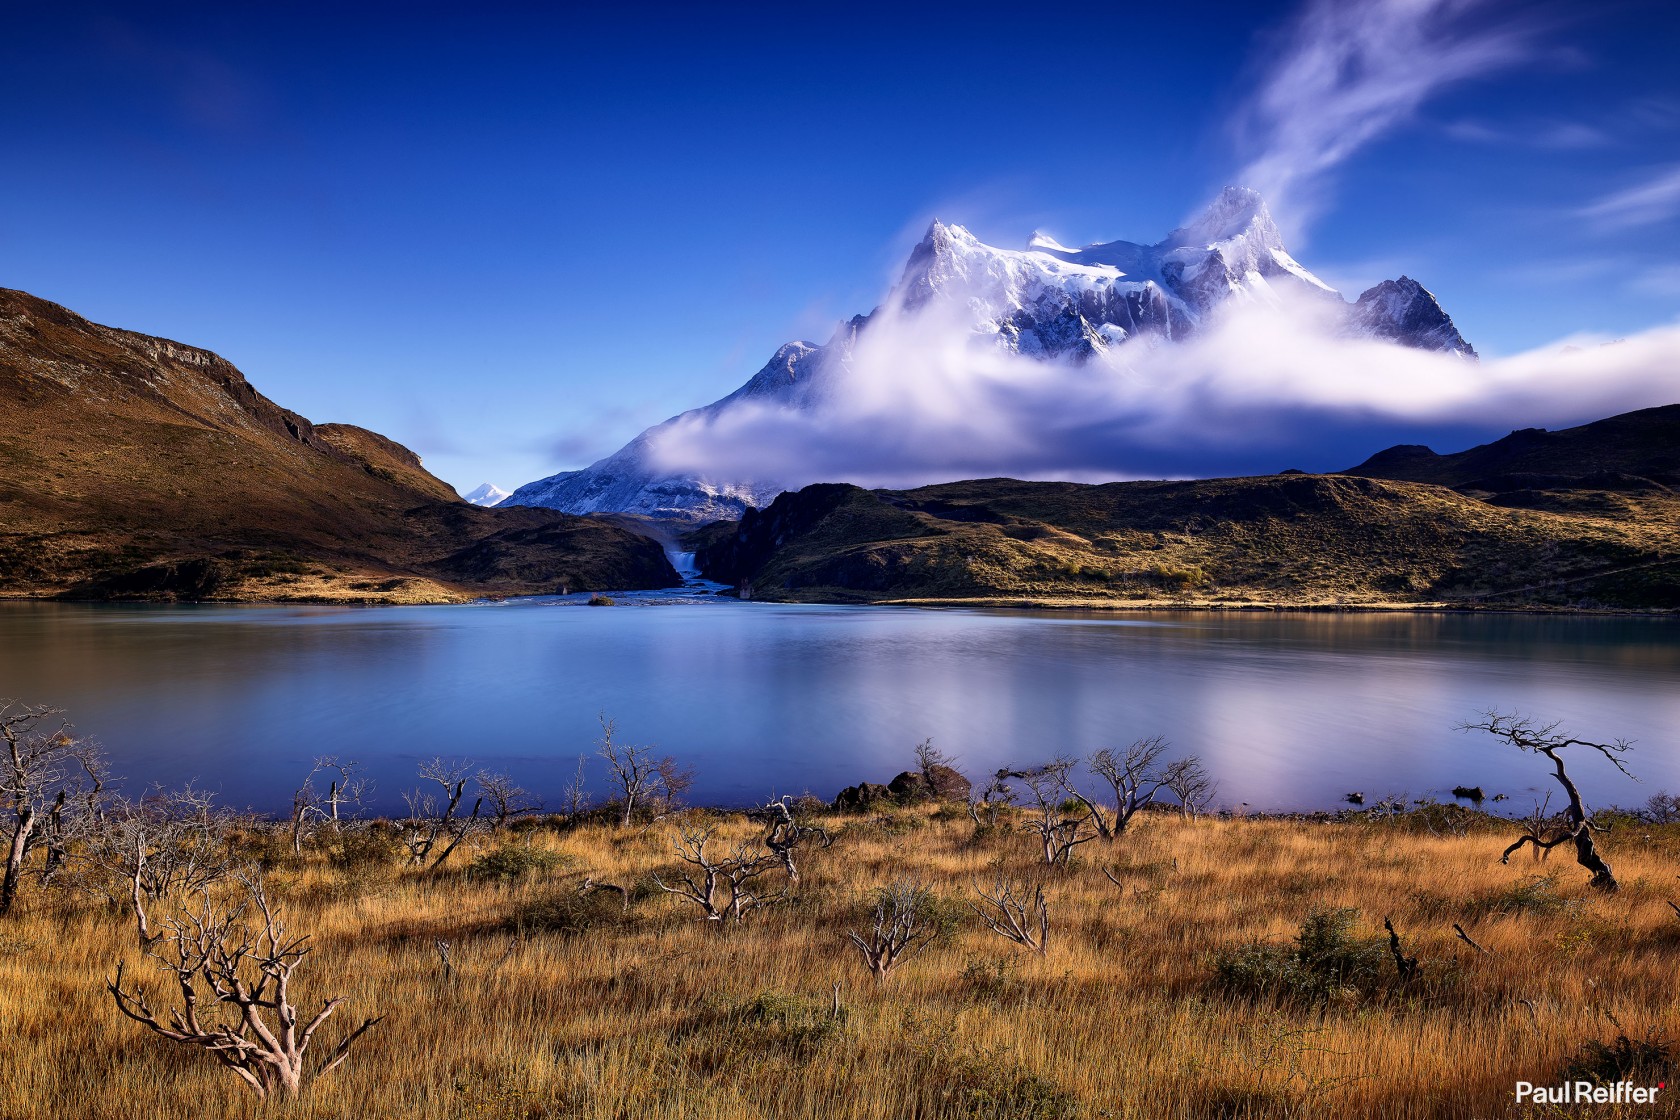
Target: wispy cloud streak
[1655,200]
[1350,71]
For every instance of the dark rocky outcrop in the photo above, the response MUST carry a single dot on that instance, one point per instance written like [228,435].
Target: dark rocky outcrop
[862,797]
[940,783]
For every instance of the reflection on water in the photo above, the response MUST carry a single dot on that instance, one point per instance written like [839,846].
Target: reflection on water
[1289,711]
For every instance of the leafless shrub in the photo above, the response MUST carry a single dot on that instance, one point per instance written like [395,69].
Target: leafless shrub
[1542,828]
[784,835]
[577,792]
[50,783]
[1133,774]
[723,887]
[311,805]
[590,885]
[1188,780]
[435,825]
[506,799]
[996,797]
[1662,808]
[168,844]
[1525,734]
[646,783]
[246,968]
[1014,913]
[1058,832]
[904,924]
[929,756]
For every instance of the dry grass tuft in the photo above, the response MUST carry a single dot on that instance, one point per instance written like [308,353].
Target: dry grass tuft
[576,1006]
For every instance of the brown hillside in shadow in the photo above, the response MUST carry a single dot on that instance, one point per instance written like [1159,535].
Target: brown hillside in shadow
[136,467]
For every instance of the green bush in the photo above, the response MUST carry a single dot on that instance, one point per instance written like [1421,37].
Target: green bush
[362,848]
[510,864]
[1625,1059]
[793,1024]
[1324,961]
[1532,894]
[570,914]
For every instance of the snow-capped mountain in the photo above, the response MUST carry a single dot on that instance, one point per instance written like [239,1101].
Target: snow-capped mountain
[486,495]
[1404,311]
[1045,301]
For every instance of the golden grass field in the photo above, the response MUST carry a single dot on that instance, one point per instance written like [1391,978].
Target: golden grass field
[652,1014]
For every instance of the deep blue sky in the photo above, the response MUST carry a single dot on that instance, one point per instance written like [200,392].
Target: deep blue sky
[512,238]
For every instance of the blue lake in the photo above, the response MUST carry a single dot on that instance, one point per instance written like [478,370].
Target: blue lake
[1289,711]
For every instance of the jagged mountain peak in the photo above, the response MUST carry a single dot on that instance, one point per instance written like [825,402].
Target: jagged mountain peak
[1043,241]
[1406,312]
[1234,212]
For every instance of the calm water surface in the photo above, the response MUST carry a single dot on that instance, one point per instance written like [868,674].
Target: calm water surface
[1289,711]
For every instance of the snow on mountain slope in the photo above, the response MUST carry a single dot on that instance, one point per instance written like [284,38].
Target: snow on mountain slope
[1047,302]
[1404,311]
[485,495]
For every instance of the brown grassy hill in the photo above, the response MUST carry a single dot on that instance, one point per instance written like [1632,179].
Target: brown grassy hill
[1631,452]
[132,466]
[1317,540]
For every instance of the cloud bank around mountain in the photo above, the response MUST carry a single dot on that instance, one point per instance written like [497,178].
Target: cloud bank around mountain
[920,398]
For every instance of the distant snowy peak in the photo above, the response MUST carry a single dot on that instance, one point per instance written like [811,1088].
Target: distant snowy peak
[1404,311]
[486,495]
[1044,301]
[1052,301]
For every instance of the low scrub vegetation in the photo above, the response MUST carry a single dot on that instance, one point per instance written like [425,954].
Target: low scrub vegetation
[791,961]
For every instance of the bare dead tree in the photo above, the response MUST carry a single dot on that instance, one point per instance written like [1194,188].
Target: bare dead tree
[48,781]
[1188,780]
[252,1026]
[904,924]
[166,845]
[1058,832]
[928,757]
[1406,966]
[590,885]
[644,781]
[435,825]
[1525,734]
[996,797]
[784,836]
[311,805]
[1013,914]
[1662,808]
[1542,828]
[725,888]
[1134,775]
[506,799]
[1458,931]
[577,792]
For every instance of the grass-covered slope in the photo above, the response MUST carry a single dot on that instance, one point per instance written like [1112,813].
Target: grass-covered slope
[136,467]
[1293,539]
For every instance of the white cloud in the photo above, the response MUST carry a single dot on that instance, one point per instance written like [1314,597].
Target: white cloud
[1349,72]
[925,400]
[1549,135]
[1655,200]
